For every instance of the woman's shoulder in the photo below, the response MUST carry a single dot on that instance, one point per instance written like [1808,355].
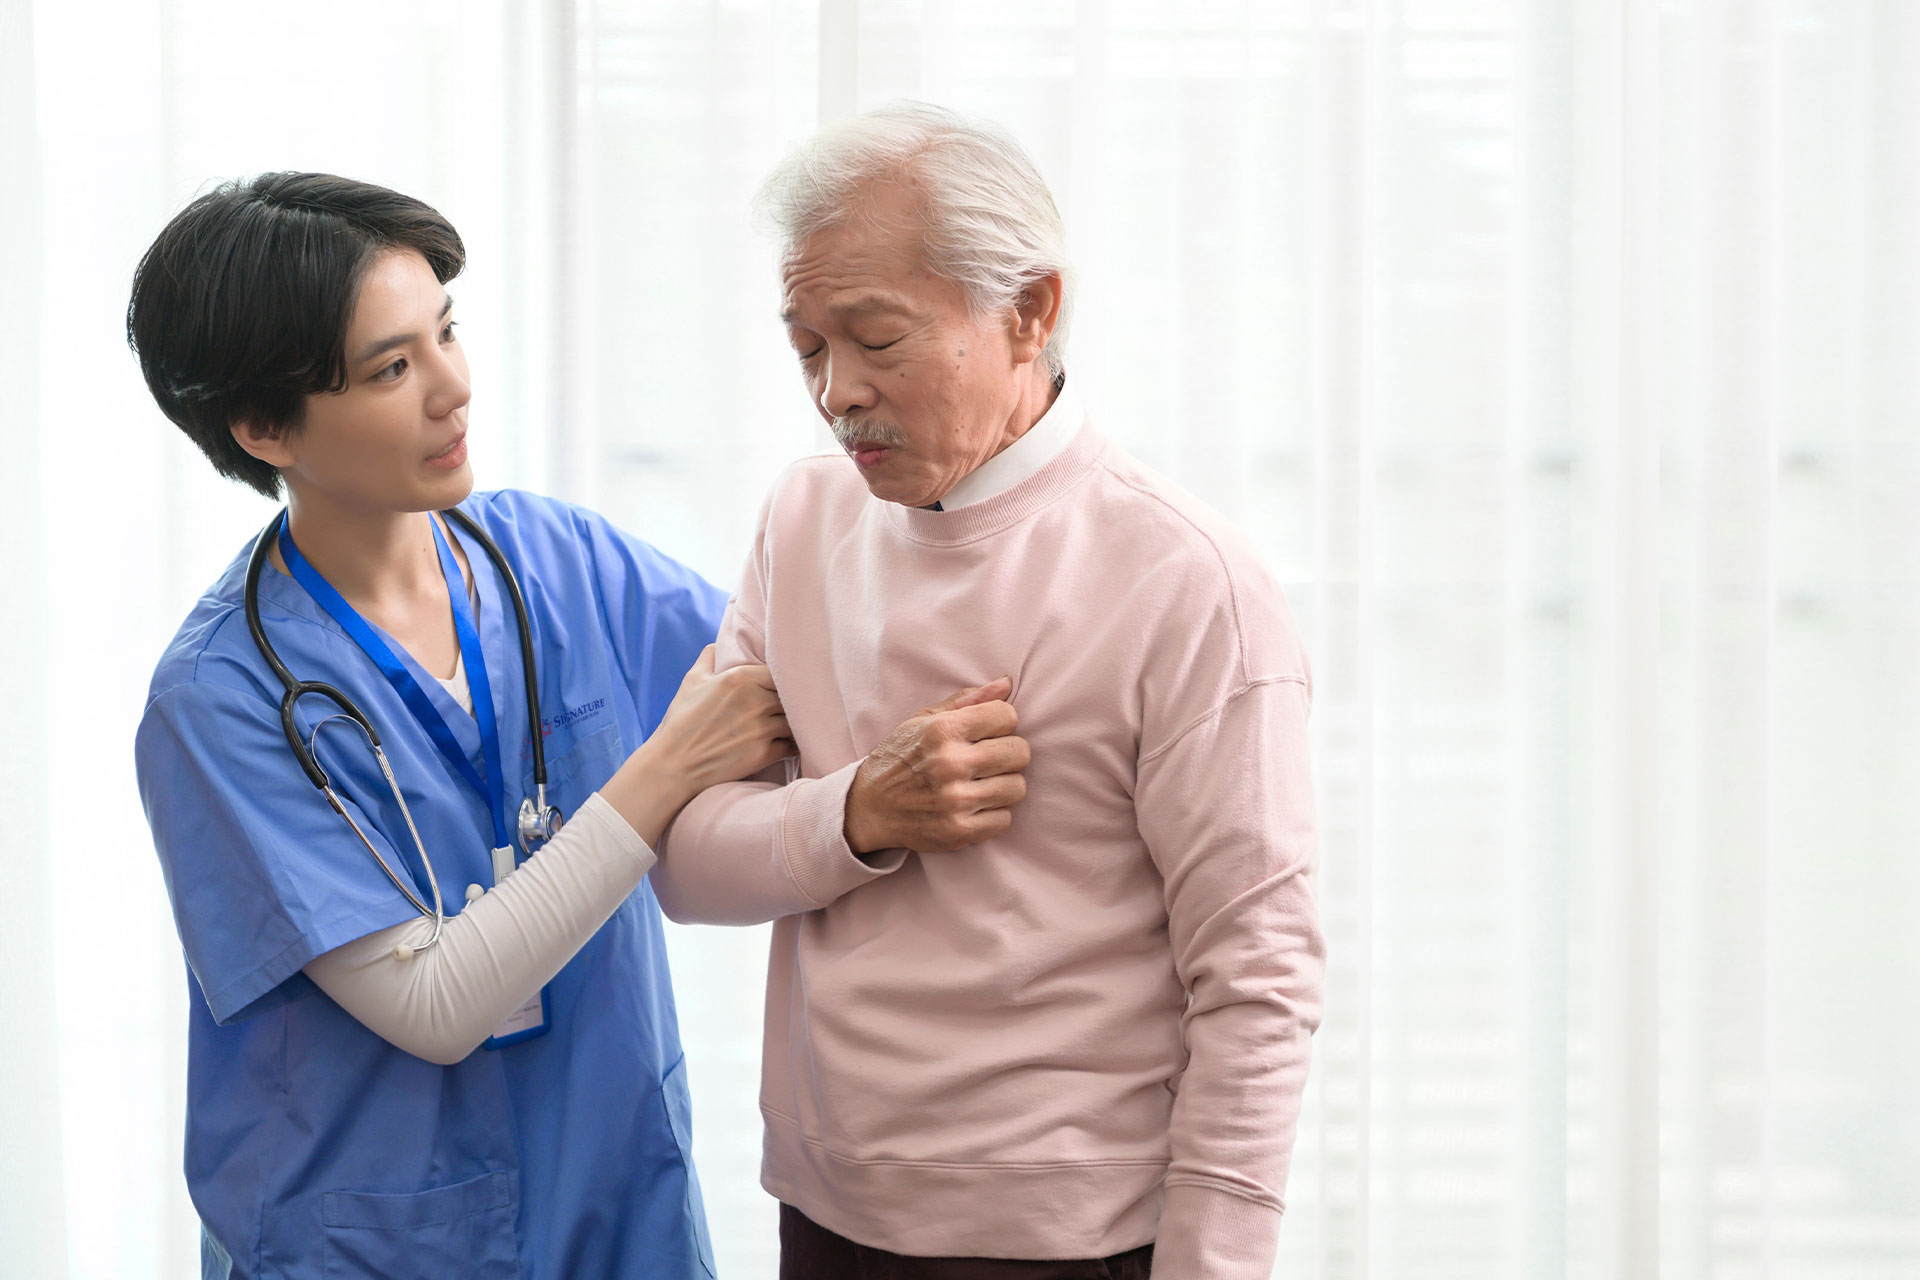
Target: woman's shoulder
[518,520]
[510,513]
[213,645]
[542,534]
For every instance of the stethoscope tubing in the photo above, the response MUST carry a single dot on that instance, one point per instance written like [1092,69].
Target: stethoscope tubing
[305,752]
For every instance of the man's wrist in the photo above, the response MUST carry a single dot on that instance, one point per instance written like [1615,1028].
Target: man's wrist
[858,826]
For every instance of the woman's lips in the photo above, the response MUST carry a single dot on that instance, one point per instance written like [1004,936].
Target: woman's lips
[451,458]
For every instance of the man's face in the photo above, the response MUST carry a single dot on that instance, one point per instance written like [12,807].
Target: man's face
[919,392]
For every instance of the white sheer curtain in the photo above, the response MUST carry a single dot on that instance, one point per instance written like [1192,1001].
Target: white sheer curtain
[31,1221]
[1560,354]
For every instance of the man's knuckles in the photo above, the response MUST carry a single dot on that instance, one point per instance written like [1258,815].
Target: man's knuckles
[975,723]
[988,719]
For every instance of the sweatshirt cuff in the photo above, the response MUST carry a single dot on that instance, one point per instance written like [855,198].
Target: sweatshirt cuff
[813,839]
[1205,1231]
[608,826]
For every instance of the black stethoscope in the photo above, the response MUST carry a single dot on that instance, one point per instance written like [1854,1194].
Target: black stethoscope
[537,819]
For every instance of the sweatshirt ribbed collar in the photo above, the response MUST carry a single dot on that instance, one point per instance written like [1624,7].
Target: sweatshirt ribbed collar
[1004,510]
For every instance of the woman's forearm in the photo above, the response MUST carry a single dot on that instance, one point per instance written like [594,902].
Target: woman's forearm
[444,1001]
[649,789]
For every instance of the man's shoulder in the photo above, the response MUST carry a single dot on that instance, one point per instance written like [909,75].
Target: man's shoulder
[828,469]
[1160,516]
[1196,571]
[818,485]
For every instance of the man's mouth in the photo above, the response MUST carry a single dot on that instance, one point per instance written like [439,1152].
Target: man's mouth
[867,441]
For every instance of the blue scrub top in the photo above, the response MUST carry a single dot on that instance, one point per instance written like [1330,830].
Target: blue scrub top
[314,1147]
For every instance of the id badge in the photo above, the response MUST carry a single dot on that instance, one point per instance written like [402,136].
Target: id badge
[530,1019]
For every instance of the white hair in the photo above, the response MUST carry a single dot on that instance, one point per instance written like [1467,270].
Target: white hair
[990,223]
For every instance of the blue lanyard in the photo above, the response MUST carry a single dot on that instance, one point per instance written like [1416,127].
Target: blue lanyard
[491,788]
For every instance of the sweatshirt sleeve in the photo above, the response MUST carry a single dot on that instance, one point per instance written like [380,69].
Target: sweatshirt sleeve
[1226,808]
[748,852]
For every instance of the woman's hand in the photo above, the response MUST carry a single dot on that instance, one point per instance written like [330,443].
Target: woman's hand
[720,728]
[717,729]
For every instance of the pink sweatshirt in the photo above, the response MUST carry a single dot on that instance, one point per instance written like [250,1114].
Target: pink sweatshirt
[1094,1030]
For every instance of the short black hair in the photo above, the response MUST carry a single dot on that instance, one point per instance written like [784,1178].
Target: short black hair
[240,308]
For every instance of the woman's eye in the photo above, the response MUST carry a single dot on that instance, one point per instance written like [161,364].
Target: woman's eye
[392,371]
[446,334]
[808,355]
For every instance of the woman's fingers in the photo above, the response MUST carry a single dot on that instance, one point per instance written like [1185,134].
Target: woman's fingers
[750,673]
[700,672]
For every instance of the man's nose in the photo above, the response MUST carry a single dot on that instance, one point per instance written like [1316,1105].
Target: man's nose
[844,387]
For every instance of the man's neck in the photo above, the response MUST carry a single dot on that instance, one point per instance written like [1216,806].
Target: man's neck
[1037,395]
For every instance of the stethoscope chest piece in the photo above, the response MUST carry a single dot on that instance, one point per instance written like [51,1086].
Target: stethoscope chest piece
[539,822]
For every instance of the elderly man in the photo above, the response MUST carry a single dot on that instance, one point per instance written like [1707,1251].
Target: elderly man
[1046,961]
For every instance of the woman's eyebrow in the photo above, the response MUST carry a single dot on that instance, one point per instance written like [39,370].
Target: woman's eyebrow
[399,339]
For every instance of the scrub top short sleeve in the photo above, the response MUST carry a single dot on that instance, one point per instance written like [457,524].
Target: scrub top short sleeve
[315,1148]
[660,614]
[265,876]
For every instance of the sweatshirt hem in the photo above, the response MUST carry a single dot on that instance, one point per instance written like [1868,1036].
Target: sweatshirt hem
[1036,1210]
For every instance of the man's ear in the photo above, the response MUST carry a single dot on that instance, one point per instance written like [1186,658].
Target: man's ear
[269,444]
[1035,312]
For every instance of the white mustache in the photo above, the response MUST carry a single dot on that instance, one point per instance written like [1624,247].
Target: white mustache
[848,432]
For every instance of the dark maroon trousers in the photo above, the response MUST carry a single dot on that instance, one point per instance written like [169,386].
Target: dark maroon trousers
[808,1251]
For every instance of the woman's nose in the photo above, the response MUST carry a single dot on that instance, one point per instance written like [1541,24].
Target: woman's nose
[451,389]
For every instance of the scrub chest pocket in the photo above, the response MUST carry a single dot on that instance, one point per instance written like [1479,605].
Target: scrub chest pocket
[596,756]
[466,1230]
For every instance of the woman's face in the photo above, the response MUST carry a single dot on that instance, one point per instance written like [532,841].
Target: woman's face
[395,439]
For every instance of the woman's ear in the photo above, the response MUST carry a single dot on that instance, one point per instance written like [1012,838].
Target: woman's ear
[1035,313]
[269,444]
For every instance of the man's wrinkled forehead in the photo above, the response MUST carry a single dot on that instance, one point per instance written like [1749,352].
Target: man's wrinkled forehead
[875,243]
[845,307]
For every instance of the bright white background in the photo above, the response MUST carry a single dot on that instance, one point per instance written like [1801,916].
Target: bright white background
[1559,354]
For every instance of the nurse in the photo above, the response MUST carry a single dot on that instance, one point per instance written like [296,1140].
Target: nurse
[506,1098]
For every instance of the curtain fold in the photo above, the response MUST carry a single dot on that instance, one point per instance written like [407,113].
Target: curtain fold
[33,1235]
[1558,354]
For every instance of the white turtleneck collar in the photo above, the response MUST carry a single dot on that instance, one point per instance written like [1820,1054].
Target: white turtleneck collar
[1040,445]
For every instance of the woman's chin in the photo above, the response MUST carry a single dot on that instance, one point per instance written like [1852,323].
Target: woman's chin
[451,488]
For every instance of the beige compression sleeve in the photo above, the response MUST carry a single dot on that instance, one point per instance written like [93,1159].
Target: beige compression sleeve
[441,1003]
